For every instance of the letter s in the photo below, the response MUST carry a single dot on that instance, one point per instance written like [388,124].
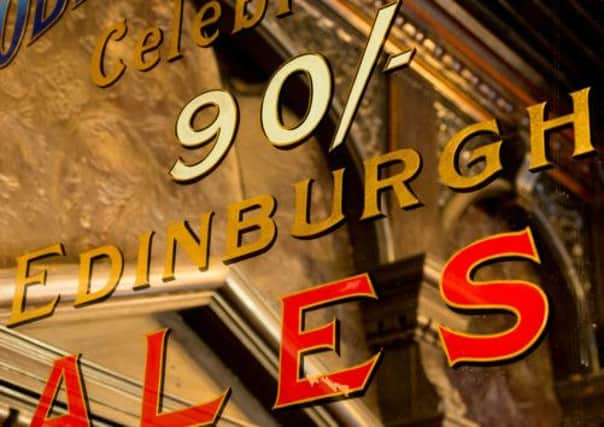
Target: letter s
[526,300]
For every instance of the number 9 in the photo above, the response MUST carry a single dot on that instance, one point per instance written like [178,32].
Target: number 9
[222,129]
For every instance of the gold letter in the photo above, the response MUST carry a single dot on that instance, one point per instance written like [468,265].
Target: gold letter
[242,20]
[143,260]
[285,8]
[201,21]
[302,227]
[539,127]
[448,168]
[174,52]
[18,315]
[196,248]
[116,259]
[97,70]
[149,41]
[237,227]
[374,185]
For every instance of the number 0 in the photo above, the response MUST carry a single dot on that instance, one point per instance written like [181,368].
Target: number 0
[319,75]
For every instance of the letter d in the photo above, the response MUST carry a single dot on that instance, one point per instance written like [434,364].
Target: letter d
[43,23]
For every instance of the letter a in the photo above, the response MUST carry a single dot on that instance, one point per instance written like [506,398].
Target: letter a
[66,369]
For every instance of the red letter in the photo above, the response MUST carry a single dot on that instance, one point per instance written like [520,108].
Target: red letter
[201,415]
[525,300]
[68,370]
[294,343]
